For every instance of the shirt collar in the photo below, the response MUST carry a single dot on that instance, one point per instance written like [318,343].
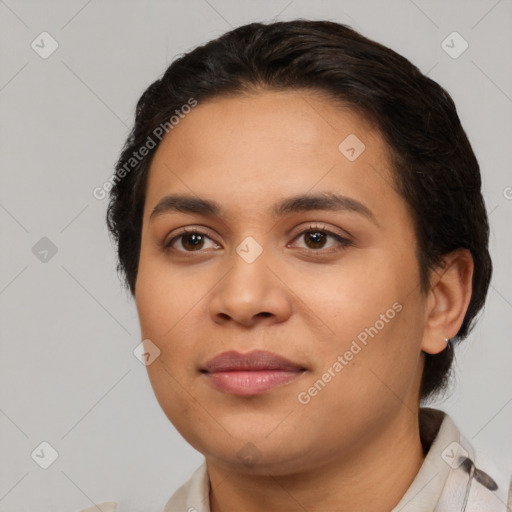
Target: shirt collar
[437,433]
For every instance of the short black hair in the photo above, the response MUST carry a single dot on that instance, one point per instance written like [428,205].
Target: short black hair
[434,167]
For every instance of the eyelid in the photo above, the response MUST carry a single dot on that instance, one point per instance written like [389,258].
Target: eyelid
[320,226]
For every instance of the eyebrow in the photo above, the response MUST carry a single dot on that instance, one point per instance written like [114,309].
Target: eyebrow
[299,203]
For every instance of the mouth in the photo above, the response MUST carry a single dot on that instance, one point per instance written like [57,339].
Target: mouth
[253,373]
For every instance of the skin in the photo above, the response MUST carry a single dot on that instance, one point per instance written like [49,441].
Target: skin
[355,445]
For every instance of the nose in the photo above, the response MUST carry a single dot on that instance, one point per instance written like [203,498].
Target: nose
[251,292]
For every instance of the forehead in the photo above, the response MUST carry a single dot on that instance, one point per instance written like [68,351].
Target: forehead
[249,151]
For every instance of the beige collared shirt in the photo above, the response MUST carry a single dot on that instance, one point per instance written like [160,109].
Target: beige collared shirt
[450,479]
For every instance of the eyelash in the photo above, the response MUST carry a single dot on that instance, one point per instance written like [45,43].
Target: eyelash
[312,228]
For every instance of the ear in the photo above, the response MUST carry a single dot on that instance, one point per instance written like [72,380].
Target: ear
[448,300]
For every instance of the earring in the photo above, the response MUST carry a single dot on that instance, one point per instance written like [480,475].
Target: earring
[446,340]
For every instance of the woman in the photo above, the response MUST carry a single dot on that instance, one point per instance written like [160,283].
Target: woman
[298,215]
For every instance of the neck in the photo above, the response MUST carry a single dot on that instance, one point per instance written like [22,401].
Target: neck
[372,478]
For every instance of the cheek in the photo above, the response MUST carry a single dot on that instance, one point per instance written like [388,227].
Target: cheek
[162,311]
[384,355]
[168,304]
[163,296]
[374,317]
[353,298]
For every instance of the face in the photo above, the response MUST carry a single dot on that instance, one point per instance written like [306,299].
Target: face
[307,253]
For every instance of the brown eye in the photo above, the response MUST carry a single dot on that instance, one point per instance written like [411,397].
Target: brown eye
[189,240]
[192,241]
[316,238]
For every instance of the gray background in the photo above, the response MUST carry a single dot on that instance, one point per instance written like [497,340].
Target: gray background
[68,374]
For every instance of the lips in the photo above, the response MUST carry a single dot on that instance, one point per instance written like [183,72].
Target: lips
[252,373]
[255,360]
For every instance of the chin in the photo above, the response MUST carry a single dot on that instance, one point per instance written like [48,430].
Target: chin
[254,459]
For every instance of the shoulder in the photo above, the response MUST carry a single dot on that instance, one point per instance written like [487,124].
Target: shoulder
[453,476]
[193,495]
